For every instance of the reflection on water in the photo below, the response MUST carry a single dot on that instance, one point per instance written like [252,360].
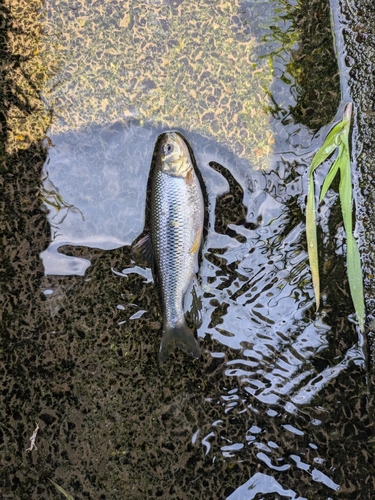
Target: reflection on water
[276,408]
[103,173]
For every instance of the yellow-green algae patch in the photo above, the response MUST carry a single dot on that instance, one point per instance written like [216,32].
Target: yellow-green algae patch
[23,74]
[189,64]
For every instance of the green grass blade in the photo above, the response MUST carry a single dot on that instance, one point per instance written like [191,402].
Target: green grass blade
[330,176]
[61,490]
[332,141]
[345,190]
[312,238]
[338,137]
[353,260]
[311,234]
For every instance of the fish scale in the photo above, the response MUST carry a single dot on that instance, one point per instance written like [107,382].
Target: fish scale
[173,241]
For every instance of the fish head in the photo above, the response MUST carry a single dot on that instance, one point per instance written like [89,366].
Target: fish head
[174,156]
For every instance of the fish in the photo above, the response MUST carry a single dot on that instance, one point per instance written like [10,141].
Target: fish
[175,237]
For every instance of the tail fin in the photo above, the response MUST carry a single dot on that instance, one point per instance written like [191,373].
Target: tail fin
[180,336]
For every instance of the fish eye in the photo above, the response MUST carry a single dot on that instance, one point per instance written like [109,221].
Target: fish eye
[167,148]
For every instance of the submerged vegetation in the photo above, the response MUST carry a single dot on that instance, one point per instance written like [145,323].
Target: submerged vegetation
[338,137]
[154,66]
[61,490]
[52,199]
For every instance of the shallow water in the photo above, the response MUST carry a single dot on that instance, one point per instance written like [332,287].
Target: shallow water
[276,407]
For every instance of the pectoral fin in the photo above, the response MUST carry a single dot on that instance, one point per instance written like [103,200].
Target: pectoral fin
[197,242]
[143,252]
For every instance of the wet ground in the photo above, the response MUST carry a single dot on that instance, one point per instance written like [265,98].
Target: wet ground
[279,406]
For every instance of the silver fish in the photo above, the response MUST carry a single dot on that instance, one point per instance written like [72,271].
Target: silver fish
[176,226]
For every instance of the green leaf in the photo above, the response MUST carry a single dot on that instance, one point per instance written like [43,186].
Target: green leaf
[331,142]
[353,262]
[330,176]
[345,191]
[312,239]
[61,490]
[338,137]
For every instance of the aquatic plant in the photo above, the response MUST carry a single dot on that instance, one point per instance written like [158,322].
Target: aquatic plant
[52,198]
[338,137]
[61,490]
